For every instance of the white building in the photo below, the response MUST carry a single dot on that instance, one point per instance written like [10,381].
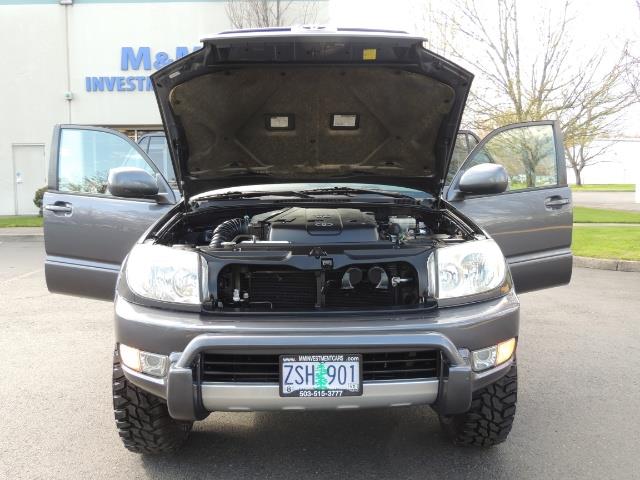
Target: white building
[619,162]
[88,62]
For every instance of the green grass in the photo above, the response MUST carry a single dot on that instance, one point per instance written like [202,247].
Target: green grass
[21,221]
[601,215]
[621,243]
[605,187]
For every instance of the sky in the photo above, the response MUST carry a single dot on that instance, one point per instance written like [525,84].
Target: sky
[596,21]
[597,25]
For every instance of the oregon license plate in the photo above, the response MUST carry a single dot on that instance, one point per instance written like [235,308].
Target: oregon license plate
[320,375]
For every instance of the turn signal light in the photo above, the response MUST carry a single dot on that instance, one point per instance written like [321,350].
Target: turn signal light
[144,362]
[505,351]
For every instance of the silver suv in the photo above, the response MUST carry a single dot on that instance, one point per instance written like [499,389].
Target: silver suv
[315,255]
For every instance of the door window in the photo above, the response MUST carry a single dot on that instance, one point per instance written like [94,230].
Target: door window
[465,142]
[158,151]
[87,156]
[527,153]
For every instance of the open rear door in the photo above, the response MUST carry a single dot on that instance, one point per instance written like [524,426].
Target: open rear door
[532,221]
[87,231]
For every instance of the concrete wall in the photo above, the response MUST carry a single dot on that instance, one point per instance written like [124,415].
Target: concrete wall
[35,52]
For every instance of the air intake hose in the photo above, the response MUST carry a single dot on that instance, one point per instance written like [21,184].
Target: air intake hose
[228,230]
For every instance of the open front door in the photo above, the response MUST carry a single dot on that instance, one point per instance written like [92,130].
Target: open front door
[532,220]
[88,231]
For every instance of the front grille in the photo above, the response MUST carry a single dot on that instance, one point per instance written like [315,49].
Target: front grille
[400,365]
[264,368]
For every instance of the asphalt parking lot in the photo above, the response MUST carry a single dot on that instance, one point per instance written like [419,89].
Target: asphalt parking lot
[613,200]
[578,410]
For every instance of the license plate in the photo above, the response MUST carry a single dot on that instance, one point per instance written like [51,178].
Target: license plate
[321,375]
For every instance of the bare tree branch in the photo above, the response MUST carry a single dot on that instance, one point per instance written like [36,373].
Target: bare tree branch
[270,13]
[547,83]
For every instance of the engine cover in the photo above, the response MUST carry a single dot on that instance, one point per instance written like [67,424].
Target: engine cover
[321,225]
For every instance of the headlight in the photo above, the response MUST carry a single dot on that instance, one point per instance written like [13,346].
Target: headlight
[466,269]
[164,273]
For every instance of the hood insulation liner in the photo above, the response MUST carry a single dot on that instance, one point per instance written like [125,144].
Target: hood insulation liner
[224,116]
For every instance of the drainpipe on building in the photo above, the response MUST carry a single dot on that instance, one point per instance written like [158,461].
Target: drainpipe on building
[68,95]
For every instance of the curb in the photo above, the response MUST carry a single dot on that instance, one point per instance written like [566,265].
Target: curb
[21,237]
[606,264]
[24,234]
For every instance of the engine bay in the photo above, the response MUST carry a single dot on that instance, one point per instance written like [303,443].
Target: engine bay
[307,257]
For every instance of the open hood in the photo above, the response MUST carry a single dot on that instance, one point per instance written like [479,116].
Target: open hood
[311,105]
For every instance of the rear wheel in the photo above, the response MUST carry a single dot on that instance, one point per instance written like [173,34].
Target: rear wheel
[142,419]
[488,421]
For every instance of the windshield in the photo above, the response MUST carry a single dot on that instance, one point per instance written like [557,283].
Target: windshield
[301,187]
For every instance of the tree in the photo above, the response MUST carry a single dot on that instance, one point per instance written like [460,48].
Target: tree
[595,114]
[270,13]
[583,153]
[544,80]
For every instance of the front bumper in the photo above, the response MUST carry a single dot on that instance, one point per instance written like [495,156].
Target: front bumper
[184,336]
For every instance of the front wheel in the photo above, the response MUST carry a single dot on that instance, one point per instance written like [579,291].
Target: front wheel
[488,421]
[142,419]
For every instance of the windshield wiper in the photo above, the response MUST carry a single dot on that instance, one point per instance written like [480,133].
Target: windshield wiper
[306,194]
[234,195]
[355,191]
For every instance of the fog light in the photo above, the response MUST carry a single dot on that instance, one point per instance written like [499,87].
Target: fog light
[144,362]
[484,358]
[154,364]
[493,356]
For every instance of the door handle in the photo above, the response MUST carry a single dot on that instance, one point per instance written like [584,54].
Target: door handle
[59,208]
[556,202]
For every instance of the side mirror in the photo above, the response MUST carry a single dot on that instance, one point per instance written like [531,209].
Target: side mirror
[131,182]
[485,178]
